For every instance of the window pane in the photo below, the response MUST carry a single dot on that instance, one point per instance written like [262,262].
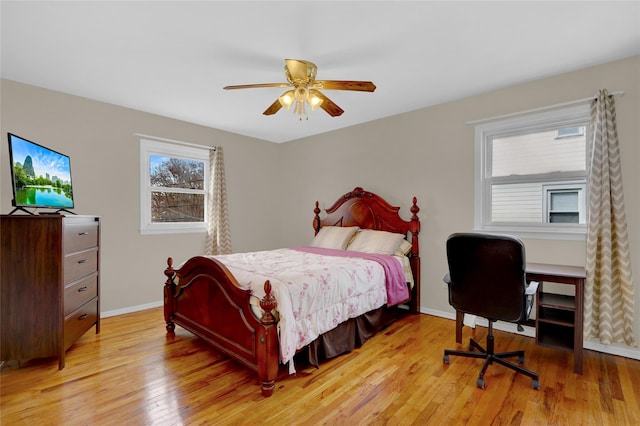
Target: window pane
[516,202]
[177,207]
[564,217]
[564,201]
[570,132]
[176,172]
[536,153]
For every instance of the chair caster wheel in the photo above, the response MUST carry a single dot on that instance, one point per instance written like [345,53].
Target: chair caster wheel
[535,384]
[521,359]
[445,359]
[480,383]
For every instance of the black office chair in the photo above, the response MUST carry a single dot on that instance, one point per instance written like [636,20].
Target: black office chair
[487,278]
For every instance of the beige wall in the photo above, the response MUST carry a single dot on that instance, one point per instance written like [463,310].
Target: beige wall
[430,154]
[426,153]
[105,169]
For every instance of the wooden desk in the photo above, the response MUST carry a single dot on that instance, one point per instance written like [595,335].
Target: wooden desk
[559,318]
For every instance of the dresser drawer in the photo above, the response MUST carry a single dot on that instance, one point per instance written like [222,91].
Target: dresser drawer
[79,265]
[79,293]
[80,234]
[80,320]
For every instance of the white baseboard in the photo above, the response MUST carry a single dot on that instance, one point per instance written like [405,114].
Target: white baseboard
[624,351]
[500,325]
[130,309]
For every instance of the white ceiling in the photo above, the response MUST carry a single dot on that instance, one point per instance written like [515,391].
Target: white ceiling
[172,58]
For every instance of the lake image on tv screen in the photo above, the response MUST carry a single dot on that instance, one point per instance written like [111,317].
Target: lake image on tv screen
[41,177]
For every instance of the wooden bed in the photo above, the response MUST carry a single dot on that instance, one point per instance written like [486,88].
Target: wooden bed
[203,297]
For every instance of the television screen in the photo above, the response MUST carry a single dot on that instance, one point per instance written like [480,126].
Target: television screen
[41,177]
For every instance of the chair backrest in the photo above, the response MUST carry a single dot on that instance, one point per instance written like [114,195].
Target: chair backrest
[487,276]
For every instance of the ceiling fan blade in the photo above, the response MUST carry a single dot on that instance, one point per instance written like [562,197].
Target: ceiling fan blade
[273,108]
[297,69]
[360,86]
[327,104]
[253,86]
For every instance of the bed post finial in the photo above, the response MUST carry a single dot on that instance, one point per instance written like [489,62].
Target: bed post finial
[415,209]
[169,272]
[415,221]
[316,219]
[268,304]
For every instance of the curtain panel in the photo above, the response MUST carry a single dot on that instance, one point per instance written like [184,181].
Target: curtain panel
[218,240]
[609,298]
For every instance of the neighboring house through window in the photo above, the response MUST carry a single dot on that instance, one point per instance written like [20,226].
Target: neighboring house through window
[531,174]
[173,187]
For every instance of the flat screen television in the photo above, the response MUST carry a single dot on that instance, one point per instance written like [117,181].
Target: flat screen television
[40,176]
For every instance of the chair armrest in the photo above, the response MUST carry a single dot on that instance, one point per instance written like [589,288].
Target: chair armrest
[530,292]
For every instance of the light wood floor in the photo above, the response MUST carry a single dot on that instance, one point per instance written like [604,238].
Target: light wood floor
[132,374]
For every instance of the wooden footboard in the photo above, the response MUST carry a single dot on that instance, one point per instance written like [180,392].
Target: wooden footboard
[204,298]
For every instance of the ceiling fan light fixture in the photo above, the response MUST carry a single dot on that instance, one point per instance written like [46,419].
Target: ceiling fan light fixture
[299,109]
[287,98]
[314,101]
[301,94]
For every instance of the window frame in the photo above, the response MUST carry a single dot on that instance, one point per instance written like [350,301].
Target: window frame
[151,147]
[576,116]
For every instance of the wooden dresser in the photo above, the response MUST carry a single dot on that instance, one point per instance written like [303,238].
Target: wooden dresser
[49,284]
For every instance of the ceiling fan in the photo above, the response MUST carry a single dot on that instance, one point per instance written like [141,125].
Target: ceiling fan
[301,76]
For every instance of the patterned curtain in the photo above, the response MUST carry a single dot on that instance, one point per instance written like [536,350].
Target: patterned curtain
[218,239]
[608,310]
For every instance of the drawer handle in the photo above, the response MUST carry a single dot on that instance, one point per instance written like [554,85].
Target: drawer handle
[81,289]
[83,233]
[83,316]
[83,261]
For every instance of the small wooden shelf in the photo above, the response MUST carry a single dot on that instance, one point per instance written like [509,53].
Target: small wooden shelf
[559,317]
[556,316]
[557,301]
[556,335]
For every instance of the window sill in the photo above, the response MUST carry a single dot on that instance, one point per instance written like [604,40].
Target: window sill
[577,233]
[172,229]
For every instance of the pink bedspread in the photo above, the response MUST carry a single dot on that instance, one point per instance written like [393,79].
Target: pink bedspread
[397,291]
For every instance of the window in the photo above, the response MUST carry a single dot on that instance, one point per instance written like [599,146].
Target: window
[531,174]
[564,203]
[174,183]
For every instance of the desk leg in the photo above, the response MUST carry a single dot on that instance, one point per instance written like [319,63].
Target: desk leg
[459,324]
[578,330]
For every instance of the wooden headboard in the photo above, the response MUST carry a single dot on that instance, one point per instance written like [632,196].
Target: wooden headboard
[370,211]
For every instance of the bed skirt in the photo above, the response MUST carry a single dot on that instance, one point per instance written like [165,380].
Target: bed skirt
[347,336]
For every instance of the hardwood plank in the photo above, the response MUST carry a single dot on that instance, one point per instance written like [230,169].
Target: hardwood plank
[132,373]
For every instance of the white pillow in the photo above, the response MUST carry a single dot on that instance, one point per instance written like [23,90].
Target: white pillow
[334,237]
[380,242]
[403,249]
